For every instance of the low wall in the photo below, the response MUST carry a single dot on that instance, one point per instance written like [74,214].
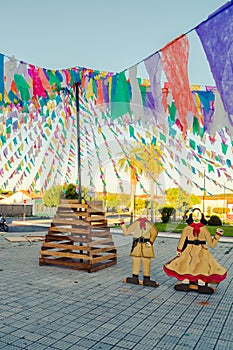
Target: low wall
[16,210]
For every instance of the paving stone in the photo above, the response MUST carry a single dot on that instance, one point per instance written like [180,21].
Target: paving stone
[57,335]
[61,345]
[88,343]
[23,343]
[223,345]
[126,344]
[102,346]
[10,347]
[205,345]
[118,335]
[46,341]
[110,340]
[50,308]
[9,339]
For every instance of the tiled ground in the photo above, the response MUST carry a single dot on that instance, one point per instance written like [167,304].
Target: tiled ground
[55,308]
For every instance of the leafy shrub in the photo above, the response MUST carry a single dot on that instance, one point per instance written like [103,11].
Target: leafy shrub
[70,192]
[220,210]
[166,213]
[214,221]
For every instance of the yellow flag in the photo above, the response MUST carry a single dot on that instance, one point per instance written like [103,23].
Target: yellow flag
[90,92]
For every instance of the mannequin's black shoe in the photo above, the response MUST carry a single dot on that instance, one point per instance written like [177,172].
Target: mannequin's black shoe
[148,282]
[182,287]
[133,280]
[205,290]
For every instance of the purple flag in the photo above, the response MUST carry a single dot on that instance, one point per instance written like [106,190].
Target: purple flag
[1,78]
[154,69]
[216,35]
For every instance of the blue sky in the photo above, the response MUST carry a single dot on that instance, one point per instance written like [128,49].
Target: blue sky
[104,34]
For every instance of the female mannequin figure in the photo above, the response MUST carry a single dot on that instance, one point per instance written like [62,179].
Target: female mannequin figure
[194,265]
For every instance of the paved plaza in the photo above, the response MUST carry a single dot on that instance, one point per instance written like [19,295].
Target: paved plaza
[56,308]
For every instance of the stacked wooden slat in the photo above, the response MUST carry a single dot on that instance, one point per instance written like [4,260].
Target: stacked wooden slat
[79,238]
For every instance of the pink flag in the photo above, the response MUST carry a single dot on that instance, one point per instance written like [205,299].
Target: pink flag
[38,89]
[175,65]
[44,80]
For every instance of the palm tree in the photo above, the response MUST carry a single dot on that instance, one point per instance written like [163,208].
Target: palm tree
[130,164]
[151,157]
[142,159]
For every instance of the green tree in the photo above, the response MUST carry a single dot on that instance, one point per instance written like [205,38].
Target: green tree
[113,201]
[176,197]
[140,204]
[71,193]
[194,200]
[51,197]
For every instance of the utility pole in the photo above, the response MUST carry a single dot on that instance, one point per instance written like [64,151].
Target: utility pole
[224,204]
[204,192]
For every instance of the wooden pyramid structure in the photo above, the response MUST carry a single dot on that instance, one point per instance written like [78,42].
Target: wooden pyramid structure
[79,238]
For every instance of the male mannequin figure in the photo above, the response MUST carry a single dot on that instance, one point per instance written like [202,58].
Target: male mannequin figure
[144,235]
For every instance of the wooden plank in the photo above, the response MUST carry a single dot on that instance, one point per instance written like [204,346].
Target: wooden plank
[80,239]
[96,211]
[98,267]
[52,237]
[77,265]
[71,201]
[70,222]
[95,218]
[57,237]
[61,223]
[95,251]
[102,258]
[64,254]
[65,246]
[69,218]
[71,214]
[101,241]
[95,203]
[101,235]
[72,204]
[99,224]
[71,264]
[73,231]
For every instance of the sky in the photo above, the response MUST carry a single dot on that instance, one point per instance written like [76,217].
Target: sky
[104,35]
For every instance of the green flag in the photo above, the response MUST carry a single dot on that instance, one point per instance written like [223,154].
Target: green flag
[22,86]
[120,98]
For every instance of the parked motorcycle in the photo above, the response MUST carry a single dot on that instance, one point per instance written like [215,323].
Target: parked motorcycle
[3,225]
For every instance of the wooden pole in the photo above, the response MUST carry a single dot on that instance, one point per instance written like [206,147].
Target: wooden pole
[78,143]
